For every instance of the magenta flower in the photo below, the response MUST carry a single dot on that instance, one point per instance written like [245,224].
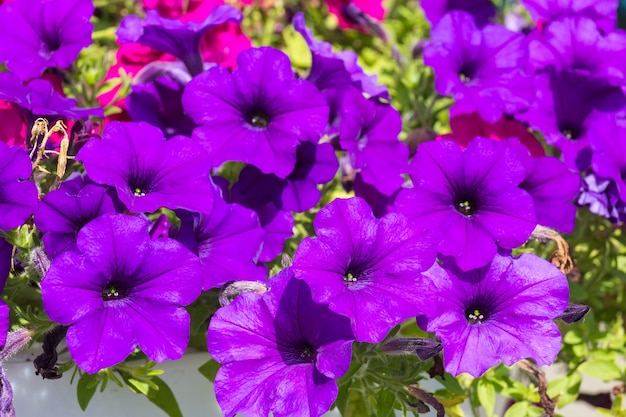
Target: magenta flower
[271,362]
[258,113]
[502,312]
[121,289]
[471,199]
[148,171]
[40,34]
[365,268]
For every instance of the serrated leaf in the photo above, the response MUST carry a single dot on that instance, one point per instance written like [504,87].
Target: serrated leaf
[486,393]
[209,369]
[603,370]
[86,388]
[164,398]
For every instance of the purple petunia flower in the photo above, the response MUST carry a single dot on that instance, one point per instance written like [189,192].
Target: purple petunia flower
[173,36]
[607,138]
[122,289]
[39,34]
[228,242]
[566,104]
[553,187]
[280,352]
[471,199]
[603,12]
[577,45]
[483,11]
[482,69]
[369,133]
[336,70]
[62,213]
[159,102]
[148,171]
[18,195]
[258,114]
[39,99]
[365,268]
[501,312]
[380,203]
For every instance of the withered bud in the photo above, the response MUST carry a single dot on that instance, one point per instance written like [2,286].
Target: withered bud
[232,289]
[423,348]
[574,313]
[39,259]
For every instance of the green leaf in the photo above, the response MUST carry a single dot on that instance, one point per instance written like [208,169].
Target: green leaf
[519,409]
[565,388]
[603,370]
[357,406]
[486,393]
[209,369]
[164,398]
[86,388]
[384,403]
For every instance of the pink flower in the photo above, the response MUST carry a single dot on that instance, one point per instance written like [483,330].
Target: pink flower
[371,8]
[13,127]
[466,127]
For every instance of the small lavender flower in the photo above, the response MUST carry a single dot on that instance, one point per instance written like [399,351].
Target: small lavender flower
[62,213]
[482,69]
[148,171]
[602,12]
[602,197]
[271,363]
[471,199]
[121,289]
[228,241]
[258,113]
[18,195]
[483,11]
[607,138]
[502,312]
[39,34]
[173,36]
[365,268]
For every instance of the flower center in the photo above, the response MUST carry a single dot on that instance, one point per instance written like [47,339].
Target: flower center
[570,132]
[466,73]
[138,192]
[476,315]
[113,292]
[349,277]
[258,118]
[465,207]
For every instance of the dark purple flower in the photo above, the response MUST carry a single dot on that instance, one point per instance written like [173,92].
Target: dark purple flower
[482,69]
[122,289]
[502,312]
[62,213]
[228,242]
[174,37]
[336,70]
[39,34]
[566,104]
[256,114]
[469,198]
[280,352]
[369,133]
[148,171]
[39,99]
[365,268]
[483,11]
[577,45]
[602,197]
[553,187]
[159,103]
[603,12]
[18,195]
[261,193]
